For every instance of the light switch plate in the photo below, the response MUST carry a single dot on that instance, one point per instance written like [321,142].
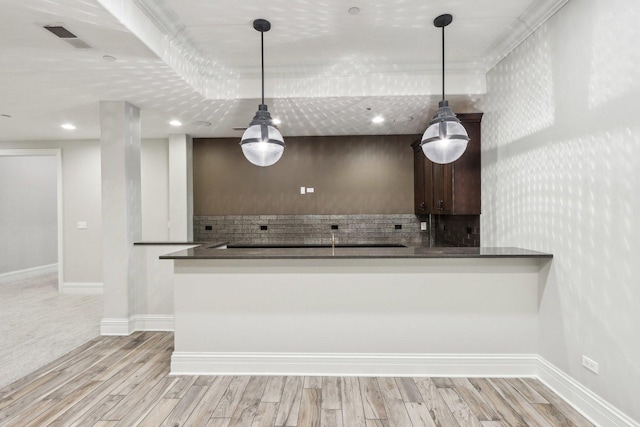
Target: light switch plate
[302,190]
[310,189]
[423,226]
[590,364]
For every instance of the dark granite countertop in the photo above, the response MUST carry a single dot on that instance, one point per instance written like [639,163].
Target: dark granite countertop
[219,251]
[176,243]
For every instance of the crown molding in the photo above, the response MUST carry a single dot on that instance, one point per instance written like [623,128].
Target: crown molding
[526,24]
[166,20]
[172,42]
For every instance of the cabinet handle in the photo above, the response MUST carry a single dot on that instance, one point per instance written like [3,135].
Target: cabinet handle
[422,206]
[441,205]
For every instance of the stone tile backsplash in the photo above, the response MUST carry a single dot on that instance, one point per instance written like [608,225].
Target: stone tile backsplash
[311,229]
[457,230]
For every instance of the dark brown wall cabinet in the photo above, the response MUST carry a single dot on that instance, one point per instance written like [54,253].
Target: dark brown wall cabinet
[454,188]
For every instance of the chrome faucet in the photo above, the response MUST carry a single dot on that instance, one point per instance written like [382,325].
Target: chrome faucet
[333,244]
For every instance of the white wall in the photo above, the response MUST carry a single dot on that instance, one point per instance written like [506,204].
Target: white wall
[28,212]
[561,174]
[154,170]
[82,200]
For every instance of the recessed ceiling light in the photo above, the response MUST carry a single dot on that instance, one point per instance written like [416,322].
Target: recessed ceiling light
[277,121]
[354,10]
[175,123]
[109,58]
[68,126]
[377,119]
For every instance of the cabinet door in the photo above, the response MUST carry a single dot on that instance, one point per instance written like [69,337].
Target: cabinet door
[422,182]
[454,188]
[433,185]
[466,174]
[442,188]
[438,188]
[419,197]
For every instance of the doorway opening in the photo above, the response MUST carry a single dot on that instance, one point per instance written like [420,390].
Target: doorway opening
[31,212]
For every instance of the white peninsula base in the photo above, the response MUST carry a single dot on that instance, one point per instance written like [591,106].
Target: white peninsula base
[421,316]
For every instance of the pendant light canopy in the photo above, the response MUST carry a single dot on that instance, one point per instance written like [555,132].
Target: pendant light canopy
[262,144]
[445,140]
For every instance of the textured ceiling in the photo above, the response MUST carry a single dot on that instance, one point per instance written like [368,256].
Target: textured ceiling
[327,71]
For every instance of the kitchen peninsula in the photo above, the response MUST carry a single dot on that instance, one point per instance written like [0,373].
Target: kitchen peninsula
[358,311]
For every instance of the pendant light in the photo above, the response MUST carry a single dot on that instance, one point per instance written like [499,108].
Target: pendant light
[445,139]
[262,144]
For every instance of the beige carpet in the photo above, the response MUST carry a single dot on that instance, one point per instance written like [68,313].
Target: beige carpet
[38,324]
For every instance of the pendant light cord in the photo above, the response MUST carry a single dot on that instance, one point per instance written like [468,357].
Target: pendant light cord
[442,64]
[262,54]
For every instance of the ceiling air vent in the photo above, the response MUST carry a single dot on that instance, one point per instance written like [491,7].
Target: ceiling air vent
[66,35]
[60,31]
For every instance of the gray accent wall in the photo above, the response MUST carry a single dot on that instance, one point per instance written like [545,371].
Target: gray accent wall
[28,212]
[361,174]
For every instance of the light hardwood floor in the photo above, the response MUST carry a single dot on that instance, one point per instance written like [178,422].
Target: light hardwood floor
[124,381]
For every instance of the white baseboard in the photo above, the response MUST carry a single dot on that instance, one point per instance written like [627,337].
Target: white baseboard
[85,288]
[127,326]
[450,365]
[116,326]
[28,273]
[153,322]
[589,404]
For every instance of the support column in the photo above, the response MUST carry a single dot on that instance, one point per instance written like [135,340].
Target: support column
[180,188]
[121,210]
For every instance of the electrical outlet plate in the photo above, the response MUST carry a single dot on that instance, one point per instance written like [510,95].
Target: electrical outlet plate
[310,189]
[591,365]
[82,225]
[302,190]
[423,226]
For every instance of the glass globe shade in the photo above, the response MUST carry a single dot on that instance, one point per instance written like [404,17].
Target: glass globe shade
[262,151]
[444,141]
